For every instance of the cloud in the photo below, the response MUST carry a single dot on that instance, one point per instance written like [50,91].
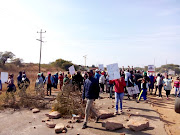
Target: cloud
[168,12]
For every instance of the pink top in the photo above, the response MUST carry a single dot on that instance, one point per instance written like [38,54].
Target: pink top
[176,84]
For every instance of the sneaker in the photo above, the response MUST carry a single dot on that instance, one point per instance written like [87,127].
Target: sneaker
[116,113]
[84,126]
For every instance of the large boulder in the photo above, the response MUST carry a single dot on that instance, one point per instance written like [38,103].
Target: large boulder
[54,115]
[177,105]
[138,123]
[50,124]
[103,114]
[35,110]
[59,128]
[112,124]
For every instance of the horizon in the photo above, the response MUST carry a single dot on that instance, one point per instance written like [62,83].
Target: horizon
[135,33]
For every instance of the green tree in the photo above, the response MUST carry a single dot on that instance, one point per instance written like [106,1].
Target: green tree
[4,56]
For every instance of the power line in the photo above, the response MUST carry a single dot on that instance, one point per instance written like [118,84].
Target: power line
[41,41]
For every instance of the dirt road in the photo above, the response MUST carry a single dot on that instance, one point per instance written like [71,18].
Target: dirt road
[24,122]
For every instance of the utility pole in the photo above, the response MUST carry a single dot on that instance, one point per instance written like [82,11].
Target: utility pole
[85,56]
[40,47]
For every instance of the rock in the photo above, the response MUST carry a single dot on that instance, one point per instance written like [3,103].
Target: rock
[76,117]
[112,124]
[45,119]
[137,113]
[68,126]
[50,124]
[59,128]
[54,115]
[129,115]
[122,134]
[70,121]
[35,110]
[138,123]
[126,119]
[128,110]
[112,106]
[64,131]
[103,114]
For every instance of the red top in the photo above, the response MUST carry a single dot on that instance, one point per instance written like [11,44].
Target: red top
[61,77]
[119,85]
[176,84]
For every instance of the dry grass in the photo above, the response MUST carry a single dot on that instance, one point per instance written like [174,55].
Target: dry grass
[69,102]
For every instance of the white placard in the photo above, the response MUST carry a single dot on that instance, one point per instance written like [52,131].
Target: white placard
[151,68]
[133,90]
[4,77]
[113,71]
[72,70]
[101,67]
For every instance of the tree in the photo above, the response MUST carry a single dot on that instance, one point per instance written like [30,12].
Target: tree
[5,56]
[17,61]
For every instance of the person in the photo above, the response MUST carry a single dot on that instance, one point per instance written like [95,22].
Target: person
[119,85]
[131,81]
[102,81]
[69,75]
[78,80]
[11,87]
[138,78]
[19,79]
[43,77]
[39,81]
[90,92]
[24,73]
[159,83]
[56,80]
[167,86]
[97,74]
[144,86]
[110,86]
[0,86]
[85,76]
[61,77]
[25,81]
[66,80]
[151,85]
[50,82]
[176,85]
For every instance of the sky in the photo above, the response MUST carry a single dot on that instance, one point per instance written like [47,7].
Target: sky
[127,32]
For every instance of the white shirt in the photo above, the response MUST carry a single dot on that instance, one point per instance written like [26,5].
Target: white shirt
[102,79]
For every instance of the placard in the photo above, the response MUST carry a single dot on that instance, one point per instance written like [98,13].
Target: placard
[151,68]
[72,70]
[133,90]
[4,77]
[101,67]
[113,71]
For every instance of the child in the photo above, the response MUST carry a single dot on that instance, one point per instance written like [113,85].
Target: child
[176,85]
[144,86]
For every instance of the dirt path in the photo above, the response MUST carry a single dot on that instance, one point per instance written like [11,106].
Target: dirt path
[24,122]
[167,114]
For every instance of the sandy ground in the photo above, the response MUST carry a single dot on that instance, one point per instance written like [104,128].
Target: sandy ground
[24,122]
[167,114]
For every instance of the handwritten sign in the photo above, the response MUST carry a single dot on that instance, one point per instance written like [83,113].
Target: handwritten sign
[72,70]
[133,90]
[4,77]
[101,67]
[113,71]
[151,68]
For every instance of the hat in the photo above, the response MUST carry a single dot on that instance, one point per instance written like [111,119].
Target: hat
[49,73]
[39,74]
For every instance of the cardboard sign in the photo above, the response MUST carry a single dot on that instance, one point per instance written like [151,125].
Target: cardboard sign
[133,90]
[4,77]
[113,71]
[101,67]
[72,70]
[151,68]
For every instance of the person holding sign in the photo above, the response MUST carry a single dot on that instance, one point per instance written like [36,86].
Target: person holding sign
[119,92]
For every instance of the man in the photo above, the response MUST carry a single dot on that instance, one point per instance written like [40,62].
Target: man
[97,74]
[19,79]
[151,85]
[90,92]
[39,81]
[50,82]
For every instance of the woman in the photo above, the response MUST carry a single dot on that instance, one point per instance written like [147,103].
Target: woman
[176,85]
[61,77]
[167,86]
[119,92]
